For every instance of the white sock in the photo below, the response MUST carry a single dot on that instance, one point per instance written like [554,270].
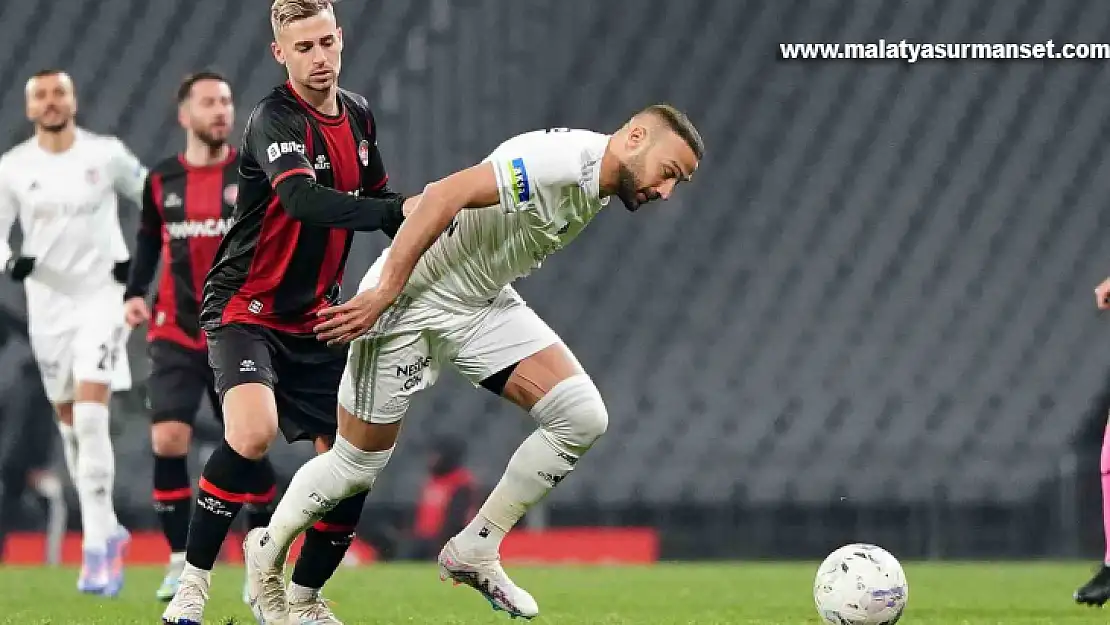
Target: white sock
[96,467]
[316,488]
[520,488]
[571,417]
[69,449]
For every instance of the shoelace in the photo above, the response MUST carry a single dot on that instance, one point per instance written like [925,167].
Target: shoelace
[273,592]
[316,609]
[191,596]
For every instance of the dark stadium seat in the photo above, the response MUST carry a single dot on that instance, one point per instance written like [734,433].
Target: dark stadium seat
[877,288]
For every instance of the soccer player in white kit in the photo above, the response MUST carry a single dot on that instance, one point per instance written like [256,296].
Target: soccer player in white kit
[532,196]
[62,184]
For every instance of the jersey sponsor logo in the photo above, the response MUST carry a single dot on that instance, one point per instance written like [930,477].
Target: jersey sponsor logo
[522,187]
[231,194]
[193,228]
[276,149]
[51,210]
[322,163]
[364,152]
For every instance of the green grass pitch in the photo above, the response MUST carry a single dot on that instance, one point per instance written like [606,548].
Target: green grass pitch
[717,594]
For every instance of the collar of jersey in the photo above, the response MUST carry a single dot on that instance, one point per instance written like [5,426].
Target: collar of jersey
[331,120]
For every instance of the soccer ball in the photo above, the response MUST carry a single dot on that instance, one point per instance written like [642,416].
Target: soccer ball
[860,585]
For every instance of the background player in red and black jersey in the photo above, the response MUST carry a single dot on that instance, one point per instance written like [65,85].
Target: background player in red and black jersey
[310,175]
[187,204]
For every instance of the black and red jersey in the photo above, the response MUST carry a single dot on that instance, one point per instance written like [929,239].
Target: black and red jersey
[186,212]
[273,270]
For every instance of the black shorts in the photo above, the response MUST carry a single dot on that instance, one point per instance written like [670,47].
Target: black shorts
[303,372]
[179,378]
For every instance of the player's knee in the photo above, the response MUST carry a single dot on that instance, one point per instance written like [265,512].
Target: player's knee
[250,435]
[356,468]
[63,412]
[251,442]
[96,392]
[250,419]
[573,413]
[170,438]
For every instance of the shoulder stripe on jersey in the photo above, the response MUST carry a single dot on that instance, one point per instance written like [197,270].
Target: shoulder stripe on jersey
[300,171]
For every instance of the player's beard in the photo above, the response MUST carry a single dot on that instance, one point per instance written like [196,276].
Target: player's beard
[213,142]
[628,185]
[57,126]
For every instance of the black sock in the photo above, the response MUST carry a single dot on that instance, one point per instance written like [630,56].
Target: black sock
[173,497]
[326,543]
[225,485]
[260,506]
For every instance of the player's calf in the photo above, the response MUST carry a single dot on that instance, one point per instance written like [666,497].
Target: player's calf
[104,539]
[172,499]
[571,417]
[317,488]
[325,545]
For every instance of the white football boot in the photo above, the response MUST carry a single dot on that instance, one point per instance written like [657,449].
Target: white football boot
[489,579]
[187,605]
[265,583]
[312,611]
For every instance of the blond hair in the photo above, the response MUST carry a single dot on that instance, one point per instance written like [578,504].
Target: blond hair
[285,12]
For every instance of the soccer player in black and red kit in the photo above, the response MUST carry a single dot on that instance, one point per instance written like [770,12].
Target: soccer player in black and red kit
[310,175]
[187,204]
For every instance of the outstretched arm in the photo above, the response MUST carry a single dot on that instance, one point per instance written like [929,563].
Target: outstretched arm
[276,139]
[437,206]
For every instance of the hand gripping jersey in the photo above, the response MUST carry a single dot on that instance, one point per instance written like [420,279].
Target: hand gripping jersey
[548,182]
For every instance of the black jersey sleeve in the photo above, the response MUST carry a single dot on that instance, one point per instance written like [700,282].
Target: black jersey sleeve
[375,181]
[311,203]
[147,245]
[275,139]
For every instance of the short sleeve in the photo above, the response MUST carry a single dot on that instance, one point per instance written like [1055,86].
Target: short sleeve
[275,139]
[526,164]
[128,173]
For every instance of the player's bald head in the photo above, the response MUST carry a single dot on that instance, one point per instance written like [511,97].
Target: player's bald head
[51,102]
[657,148]
[667,117]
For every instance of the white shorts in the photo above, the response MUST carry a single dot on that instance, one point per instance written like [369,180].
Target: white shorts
[94,349]
[404,352]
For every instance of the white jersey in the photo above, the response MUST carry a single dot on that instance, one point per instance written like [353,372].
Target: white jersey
[66,205]
[549,187]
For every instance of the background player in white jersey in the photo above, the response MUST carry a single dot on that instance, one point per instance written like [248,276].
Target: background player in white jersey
[538,190]
[62,184]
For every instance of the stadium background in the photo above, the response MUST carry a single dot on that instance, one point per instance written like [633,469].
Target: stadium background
[870,317]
